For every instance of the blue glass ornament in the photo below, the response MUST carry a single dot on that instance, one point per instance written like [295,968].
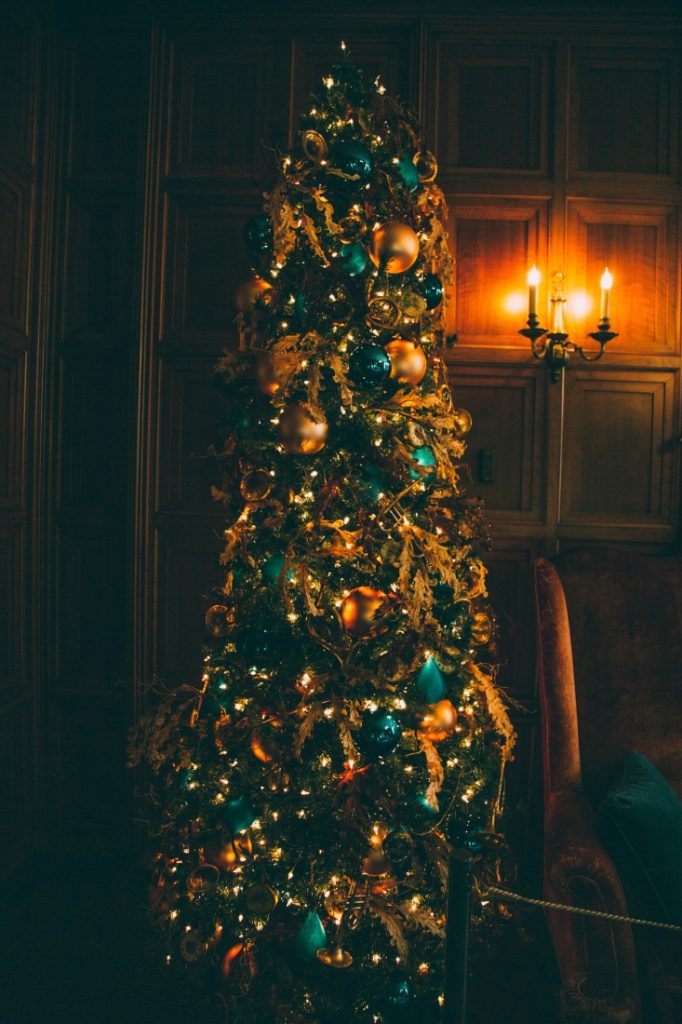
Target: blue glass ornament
[446,609]
[369,365]
[379,733]
[311,936]
[408,172]
[238,814]
[272,569]
[258,234]
[432,290]
[398,995]
[353,158]
[372,482]
[424,457]
[430,683]
[352,259]
[423,810]
[301,310]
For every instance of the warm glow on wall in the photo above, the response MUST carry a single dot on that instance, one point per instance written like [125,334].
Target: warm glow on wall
[579,304]
[514,303]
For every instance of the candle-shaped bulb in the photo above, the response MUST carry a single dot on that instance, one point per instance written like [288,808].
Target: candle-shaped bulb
[533,282]
[606,283]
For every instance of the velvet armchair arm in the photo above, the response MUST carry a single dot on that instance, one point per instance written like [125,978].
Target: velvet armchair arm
[596,958]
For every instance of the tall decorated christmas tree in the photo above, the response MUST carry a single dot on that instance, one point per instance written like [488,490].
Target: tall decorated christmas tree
[347,731]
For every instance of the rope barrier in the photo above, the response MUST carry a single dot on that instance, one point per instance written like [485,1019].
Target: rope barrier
[515,897]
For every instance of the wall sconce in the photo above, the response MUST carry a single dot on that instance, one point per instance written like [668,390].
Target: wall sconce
[555,346]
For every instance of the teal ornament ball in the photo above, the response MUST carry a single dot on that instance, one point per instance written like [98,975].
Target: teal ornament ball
[272,568]
[432,291]
[447,610]
[430,682]
[424,456]
[423,811]
[397,998]
[238,814]
[258,235]
[379,733]
[353,158]
[310,937]
[372,482]
[352,259]
[369,365]
[407,172]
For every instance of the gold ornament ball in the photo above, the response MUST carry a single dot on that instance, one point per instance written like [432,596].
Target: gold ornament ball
[219,620]
[249,292]
[394,247]
[408,361]
[314,145]
[300,432]
[226,856]
[273,370]
[193,946]
[362,611]
[203,878]
[426,164]
[463,421]
[352,228]
[256,485]
[261,899]
[382,312]
[376,864]
[439,721]
[413,305]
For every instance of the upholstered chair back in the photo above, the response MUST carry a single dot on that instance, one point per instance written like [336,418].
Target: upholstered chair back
[625,620]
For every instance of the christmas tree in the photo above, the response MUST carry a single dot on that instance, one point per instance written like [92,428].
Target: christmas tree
[347,730]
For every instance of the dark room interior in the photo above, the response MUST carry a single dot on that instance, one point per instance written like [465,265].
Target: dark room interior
[136,143]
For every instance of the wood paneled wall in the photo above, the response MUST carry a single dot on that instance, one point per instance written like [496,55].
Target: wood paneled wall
[88,684]
[557,134]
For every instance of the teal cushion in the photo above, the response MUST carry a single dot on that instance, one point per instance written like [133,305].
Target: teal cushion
[640,823]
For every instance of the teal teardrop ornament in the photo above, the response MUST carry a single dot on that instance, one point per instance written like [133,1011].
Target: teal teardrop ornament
[430,683]
[311,936]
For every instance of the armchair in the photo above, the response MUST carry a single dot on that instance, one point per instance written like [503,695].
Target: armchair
[609,630]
